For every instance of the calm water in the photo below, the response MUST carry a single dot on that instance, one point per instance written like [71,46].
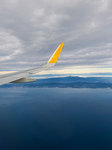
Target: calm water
[55,119]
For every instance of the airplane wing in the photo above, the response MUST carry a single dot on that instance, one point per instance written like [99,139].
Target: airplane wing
[22,76]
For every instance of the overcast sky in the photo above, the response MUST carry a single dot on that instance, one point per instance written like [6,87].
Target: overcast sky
[31,30]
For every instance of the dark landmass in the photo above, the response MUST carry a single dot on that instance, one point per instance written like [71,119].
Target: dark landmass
[65,82]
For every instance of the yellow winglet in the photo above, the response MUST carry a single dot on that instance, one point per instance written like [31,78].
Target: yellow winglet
[56,54]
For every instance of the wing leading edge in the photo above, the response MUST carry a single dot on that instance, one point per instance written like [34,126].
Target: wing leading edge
[22,76]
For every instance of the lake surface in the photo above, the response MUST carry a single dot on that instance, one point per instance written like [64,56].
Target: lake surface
[55,119]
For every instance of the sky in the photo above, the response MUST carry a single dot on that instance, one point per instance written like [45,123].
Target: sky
[31,30]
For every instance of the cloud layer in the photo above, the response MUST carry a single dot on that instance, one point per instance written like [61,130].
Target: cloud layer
[31,30]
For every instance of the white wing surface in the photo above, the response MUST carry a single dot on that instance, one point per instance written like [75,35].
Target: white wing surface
[22,76]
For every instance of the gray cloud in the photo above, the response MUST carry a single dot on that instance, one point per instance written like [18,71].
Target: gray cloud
[31,30]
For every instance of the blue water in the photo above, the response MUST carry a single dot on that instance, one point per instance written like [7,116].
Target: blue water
[55,119]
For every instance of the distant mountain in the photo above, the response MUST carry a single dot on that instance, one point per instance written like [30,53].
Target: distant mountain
[66,82]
